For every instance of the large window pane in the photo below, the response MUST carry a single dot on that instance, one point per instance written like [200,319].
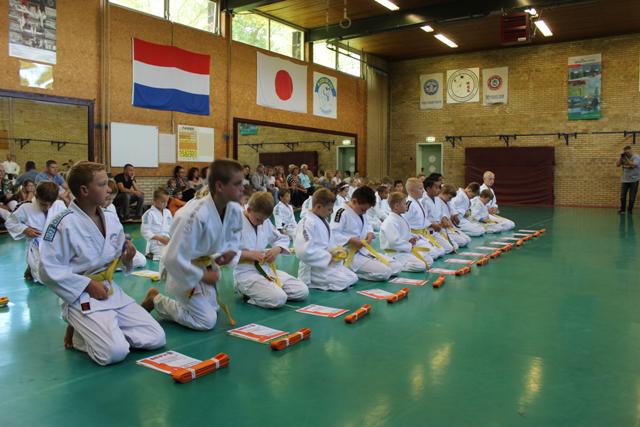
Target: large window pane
[152,7]
[251,29]
[349,62]
[324,56]
[200,14]
[286,40]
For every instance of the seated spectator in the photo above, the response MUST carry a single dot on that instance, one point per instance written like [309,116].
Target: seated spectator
[27,192]
[347,177]
[204,174]
[128,194]
[194,180]
[280,180]
[337,179]
[31,173]
[247,175]
[175,197]
[306,179]
[260,182]
[6,197]
[298,192]
[182,184]
[11,168]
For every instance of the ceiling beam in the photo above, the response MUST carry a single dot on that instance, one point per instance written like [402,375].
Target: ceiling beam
[237,6]
[434,14]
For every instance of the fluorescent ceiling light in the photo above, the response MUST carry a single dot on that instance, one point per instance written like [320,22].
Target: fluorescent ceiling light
[427,28]
[543,27]
[386,3]
[531,11]
[445,40]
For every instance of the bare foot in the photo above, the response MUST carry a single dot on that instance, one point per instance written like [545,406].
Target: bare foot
[68,337]
[147,302]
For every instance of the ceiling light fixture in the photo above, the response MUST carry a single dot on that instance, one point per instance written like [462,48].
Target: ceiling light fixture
[386,3]
[444,39]
[427,28]
[531,11]
[543,27]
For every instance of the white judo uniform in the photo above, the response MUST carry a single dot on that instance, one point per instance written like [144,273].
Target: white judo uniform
[434,215]
[480,215]
[29,214]
[348,224]
[506,224]
[382,207]
[306,207]
[139,260]
[197,231]
[461,206]
[456,235]
[285,219]
[416,216]
[274,290]
[395,234]
[73,247]
[155,223]
[317,269]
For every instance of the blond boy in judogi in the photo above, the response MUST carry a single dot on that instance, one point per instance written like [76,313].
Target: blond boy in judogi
[351,230]
[488,179]
[205,234]
[480,212]
[283,215]
[321,262]
[447,212]
[416,216]
[256,276]
[434,214]
[461,206]
[79,251]
[30,220]
[156,225]
[398,242]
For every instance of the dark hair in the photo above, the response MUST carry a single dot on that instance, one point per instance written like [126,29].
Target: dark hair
[429,182]
[627,147]
[486,194]
[348,173]
[474,187]
[435,176]
[382,189]
[127,165]
[176,170]
[51,162]
[30,165]
[47,191]
[222,170]
[203,172]
[398,181]
[283,193]
[364,196]
[192,172]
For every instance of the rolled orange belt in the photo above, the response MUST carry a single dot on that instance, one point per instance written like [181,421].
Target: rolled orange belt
[506,247]
[463,271]
[4,301]
[482,261]
[496,254]
[519,242]
[289,340]
[542,230]
[358,314]
[439,281]
[185,375]
[401,294]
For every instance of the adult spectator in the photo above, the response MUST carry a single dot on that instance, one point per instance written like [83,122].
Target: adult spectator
[11,168]
[182,183]
[298,192]
[260,182]
[247,176]
[51,174]
[6,197]
[306,179]
[128,194]
[194,180]
[630,164]
[30,174]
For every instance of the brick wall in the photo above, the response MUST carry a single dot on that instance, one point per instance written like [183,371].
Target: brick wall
[585,173]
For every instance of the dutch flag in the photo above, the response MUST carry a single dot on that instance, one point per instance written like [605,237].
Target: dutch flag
[170,78]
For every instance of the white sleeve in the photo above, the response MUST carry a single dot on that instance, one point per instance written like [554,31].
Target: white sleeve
[477,209]
[338,229]
[368,228]
[233,238]
[16,223]
[181,250]
[278,217]
[56,255]
[147,226]
[275,238]
[308,249]
[393,237]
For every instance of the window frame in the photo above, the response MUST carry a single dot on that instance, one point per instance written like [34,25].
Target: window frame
[340,46]
[279,21]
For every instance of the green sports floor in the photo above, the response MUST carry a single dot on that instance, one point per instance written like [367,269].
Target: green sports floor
[546,335]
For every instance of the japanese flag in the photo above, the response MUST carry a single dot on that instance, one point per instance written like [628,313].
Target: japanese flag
[281,84]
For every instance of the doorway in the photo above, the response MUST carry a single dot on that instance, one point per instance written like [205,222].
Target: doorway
[428,158]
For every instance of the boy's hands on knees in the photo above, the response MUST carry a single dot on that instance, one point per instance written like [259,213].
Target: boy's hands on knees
[225,258]
[271,255]
[97,290]
[355,242]
[254,256]
[32,232]
[370,237]
[210,277]
[129,252]
[436,227]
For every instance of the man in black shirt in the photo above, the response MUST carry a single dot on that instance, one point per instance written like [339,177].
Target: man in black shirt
[128,193]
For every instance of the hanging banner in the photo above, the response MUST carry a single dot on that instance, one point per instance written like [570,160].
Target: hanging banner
[463,85]
[431,88]
[585,87]
[195,144]
[496,85]
[325,95]
[32,30]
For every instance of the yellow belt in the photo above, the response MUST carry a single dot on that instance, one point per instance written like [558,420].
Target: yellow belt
[205,262]
[338,254]
[272,265]
[425,233]
[352,252]
[416,252]
[106,275]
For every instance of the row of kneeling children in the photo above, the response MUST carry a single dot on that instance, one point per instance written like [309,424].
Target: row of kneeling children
[82,245]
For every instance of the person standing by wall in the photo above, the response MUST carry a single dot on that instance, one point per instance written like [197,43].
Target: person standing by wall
[630,164]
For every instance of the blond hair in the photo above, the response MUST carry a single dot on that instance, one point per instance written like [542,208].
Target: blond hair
[261,202]
[396,198]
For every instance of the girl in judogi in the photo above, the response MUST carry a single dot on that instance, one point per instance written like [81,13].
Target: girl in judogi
[256,276]
[78,253]
[29,221]
[434,215]
[416,216]
[351,230]
[205,234]
[283,214]
[156,225]
[461,205]
[321,262]
[443,205]
[488,179]
[398,242]
[480,212]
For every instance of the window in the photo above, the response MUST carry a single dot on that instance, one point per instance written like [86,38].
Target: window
[340,59]
[266,33]
[200,14]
